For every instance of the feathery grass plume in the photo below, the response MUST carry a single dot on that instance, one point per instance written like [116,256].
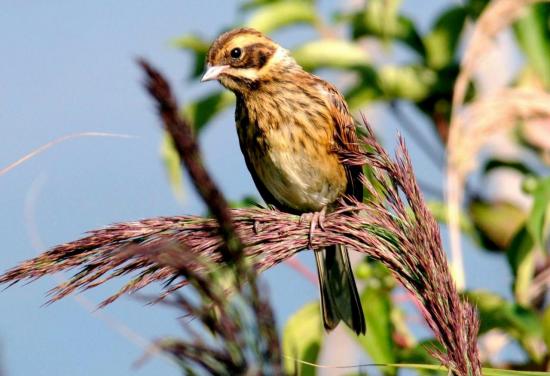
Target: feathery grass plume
[495,113]
[394,226]
[496,17]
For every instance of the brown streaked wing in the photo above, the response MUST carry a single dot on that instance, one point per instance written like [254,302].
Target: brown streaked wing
[346,137]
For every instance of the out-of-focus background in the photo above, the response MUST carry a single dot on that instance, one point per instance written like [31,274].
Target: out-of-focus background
[69,67]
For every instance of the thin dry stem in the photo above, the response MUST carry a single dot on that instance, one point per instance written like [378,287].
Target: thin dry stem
[57,141]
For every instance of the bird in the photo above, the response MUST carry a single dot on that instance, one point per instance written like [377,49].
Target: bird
[289,123]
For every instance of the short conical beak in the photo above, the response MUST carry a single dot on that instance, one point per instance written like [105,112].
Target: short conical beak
[213,72]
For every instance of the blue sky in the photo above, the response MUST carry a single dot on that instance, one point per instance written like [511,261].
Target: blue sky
[68,67]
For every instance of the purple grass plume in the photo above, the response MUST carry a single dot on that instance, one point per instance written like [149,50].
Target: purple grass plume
[393,226]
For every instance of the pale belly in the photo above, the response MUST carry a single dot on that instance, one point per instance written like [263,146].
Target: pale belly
[305,179]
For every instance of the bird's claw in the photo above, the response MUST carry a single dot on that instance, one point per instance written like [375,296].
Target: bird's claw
[317,219]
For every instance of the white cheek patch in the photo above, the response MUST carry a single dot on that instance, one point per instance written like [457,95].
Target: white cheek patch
[248,73]
[279,55]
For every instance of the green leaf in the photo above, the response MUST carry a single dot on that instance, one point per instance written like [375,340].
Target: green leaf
[521,259]
[442,370]
[201,111]
[497,222]
[519,322]
[546,326]
[496,312]
[382,17]
[537,218]
[253,4]
[302,338]
[476,7]
[199,47]
[440,212]
[365,91]
[533,34]
[191,42]
[442,41]
[378,341]
[276,15]
[506,372]
[245,202]
[406,82]
[399,28]
[331,53]
[419,354]
[531,236]
[171,161]
[410,82]
[437,105]
[497,163]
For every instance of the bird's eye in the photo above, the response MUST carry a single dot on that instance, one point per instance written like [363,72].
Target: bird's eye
[236,53]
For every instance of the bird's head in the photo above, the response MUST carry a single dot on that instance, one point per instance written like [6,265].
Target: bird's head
[241,59]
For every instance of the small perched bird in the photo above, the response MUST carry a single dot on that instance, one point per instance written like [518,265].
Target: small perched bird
[289,123]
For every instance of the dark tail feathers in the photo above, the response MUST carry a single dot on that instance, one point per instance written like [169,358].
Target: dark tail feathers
[339,296]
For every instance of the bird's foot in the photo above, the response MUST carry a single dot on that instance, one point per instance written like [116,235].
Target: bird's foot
[317,219]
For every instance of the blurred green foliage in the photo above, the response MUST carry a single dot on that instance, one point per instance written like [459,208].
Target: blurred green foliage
[425,81]
[303,338]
